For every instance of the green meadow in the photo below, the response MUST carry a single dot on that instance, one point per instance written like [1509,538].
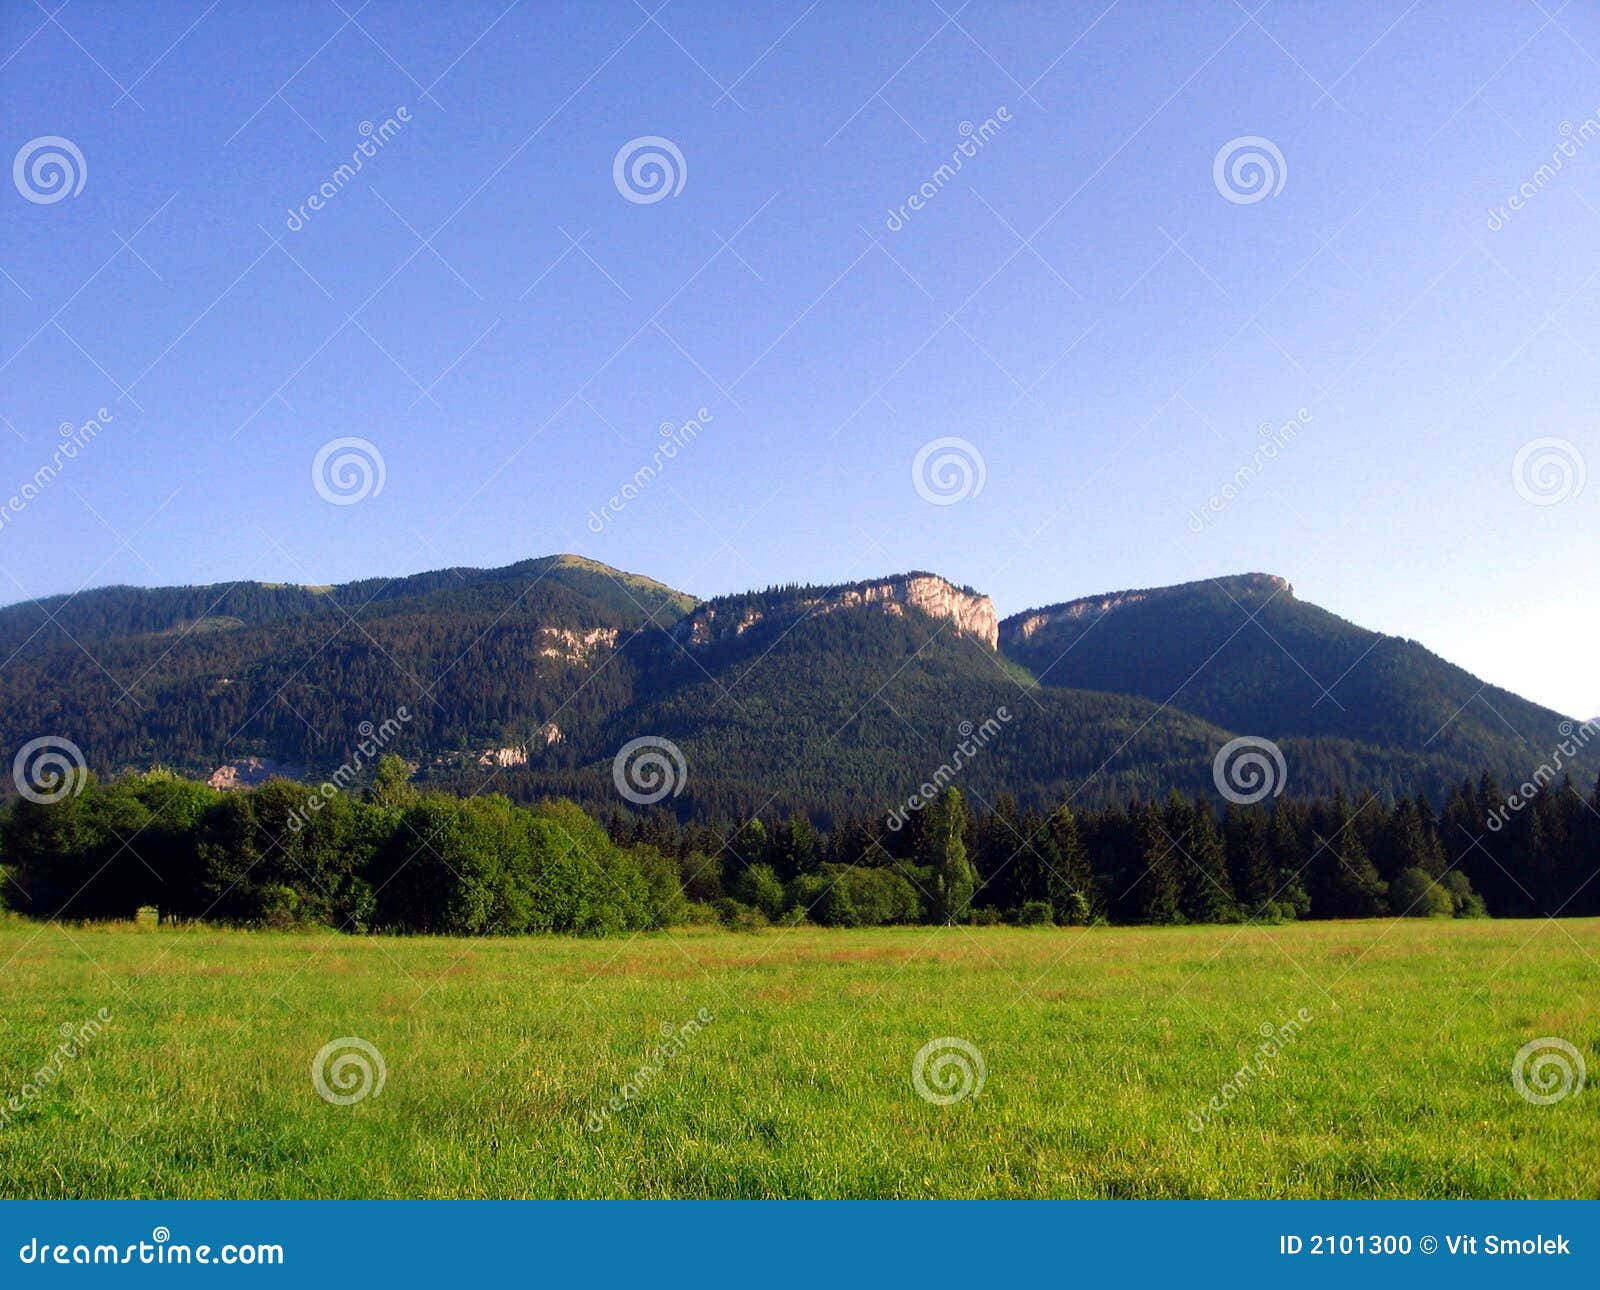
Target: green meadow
[780,1063]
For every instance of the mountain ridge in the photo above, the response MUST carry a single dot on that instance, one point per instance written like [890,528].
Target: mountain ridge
[837,694]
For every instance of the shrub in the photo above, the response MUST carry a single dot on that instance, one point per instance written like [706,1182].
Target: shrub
[1415,894]
[759,886]
[836,909]
[881,896]
[1035,913]
[1465,903]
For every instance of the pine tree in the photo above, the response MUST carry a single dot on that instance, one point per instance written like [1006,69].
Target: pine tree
[1244,833]
[1069,885]
[1289,844]
[1341,878]
[1206,889]
[1157,885]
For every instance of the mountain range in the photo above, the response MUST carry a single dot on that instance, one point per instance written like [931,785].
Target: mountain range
[528,679]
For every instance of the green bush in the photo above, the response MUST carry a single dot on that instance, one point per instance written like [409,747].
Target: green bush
[759,887]
[1415,894]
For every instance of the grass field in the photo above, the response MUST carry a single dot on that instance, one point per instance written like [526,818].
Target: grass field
[1101,1048]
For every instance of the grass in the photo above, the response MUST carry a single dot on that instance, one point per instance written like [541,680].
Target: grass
[1099,1046]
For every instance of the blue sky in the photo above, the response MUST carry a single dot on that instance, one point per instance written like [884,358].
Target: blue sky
[1085,303]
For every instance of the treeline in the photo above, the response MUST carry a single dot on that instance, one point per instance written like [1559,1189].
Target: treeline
[391,858]
[287,854]
[1152,862]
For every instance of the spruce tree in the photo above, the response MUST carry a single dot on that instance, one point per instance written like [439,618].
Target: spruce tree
[1069,884]
[1157,885]
[1244,832]
[1206,889]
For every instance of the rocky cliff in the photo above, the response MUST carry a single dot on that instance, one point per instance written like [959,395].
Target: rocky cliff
[968,612]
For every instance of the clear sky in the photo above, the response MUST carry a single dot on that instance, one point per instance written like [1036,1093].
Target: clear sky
[1102,312]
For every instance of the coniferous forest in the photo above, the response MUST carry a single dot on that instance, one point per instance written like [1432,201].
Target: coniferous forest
[388,857]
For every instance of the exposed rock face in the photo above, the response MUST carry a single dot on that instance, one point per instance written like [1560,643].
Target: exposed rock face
[248,772]
[515,756]
[1024,626]
[708,624]
[973,615]
[551,734]
[575,646]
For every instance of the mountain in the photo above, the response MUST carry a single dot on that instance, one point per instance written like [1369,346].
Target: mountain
[528,679]
[1245,653]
